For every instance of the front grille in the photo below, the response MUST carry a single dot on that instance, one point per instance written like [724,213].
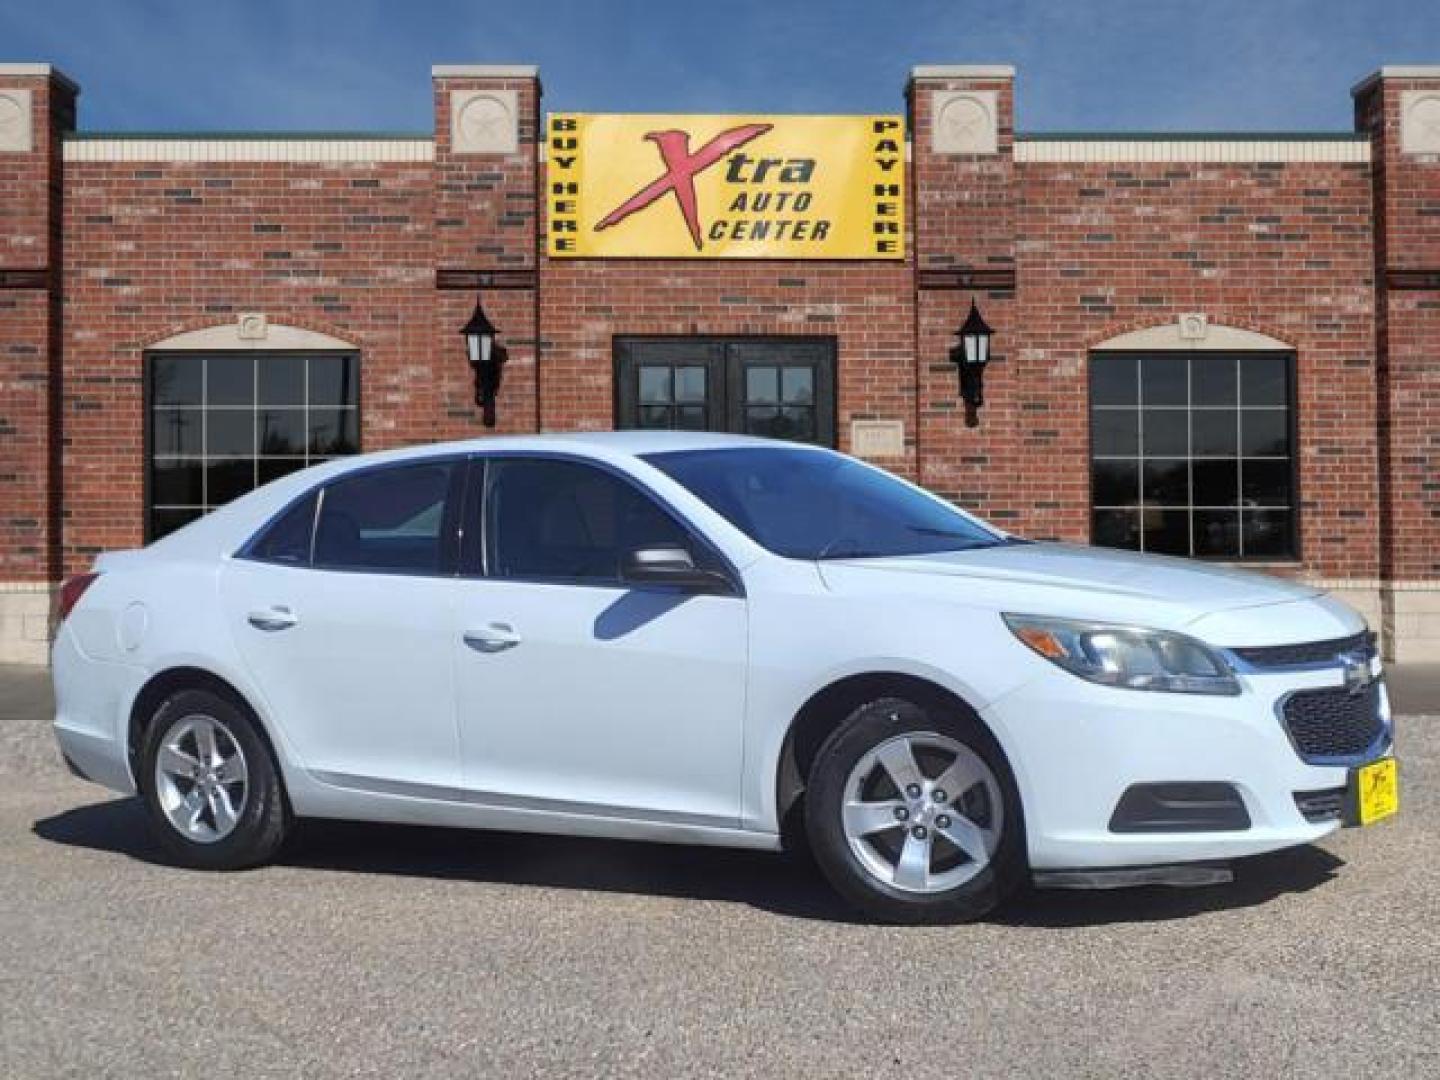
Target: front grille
[1333,723]
[1319,806]
[1308,652]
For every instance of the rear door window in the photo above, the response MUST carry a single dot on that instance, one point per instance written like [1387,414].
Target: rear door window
[287,539]
[398,519]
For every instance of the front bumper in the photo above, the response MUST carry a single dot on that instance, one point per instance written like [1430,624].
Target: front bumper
[1077,748]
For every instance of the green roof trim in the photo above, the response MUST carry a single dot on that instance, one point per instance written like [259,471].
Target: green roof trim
[251,136]
[1191,136]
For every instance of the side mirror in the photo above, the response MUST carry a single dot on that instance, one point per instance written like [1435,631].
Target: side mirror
[672,566]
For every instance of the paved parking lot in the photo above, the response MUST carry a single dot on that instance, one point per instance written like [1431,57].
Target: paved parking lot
[390,952]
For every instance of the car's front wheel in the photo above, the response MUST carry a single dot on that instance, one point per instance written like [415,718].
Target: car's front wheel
[210,784]
[913,815]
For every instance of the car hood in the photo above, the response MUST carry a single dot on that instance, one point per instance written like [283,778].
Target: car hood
[1071,581]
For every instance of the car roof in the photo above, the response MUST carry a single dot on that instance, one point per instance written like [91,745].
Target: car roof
[605,444]
[225,529]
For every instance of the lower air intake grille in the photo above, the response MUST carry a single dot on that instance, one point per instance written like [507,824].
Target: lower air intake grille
[1333,723]
[1321,806]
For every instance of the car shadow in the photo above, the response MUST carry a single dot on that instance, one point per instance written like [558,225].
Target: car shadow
[782,885]
[634,609]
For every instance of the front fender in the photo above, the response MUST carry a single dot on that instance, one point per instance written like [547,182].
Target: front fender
[805,640]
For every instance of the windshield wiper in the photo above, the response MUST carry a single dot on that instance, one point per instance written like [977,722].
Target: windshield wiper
[974,543]
[927,530]
[971,543]
[828,551]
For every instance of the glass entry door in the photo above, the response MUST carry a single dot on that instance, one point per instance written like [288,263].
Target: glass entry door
[782,388]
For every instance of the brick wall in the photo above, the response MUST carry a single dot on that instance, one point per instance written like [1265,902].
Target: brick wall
[157,248]
[486,221]
[1062,255]
[350,249]
[486,205]
[965,234]
[1407,196]
[1283,249]
[866,307]
[1407,257]
[1101,248]
[30,376]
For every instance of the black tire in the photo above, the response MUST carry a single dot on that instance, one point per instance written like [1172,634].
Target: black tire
[865,729]
[263,819]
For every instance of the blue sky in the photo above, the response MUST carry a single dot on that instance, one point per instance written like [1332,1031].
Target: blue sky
[364,64]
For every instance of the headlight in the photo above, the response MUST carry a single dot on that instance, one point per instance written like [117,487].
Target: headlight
[1126,656]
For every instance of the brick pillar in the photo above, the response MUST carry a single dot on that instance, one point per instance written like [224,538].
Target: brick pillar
[963,186]
[1400,108]
[486,235]
[37,105]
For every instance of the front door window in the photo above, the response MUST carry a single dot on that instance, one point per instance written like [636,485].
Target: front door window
[553,520]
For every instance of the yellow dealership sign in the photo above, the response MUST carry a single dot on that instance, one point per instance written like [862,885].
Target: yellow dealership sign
[725,187]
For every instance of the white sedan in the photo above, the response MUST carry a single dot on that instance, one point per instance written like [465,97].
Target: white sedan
[717,640]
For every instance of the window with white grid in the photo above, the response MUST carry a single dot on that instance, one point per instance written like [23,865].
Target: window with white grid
[1192,453]
[222,424]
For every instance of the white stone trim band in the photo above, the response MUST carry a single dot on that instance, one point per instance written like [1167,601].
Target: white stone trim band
[1397,71]
[39,71]
[484,71]
[250,330]
[220,149]
[1172,336]
[47,587]
[1180,149]
[962,71]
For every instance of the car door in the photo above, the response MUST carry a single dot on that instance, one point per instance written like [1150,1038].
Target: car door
[576,692]
[346,629]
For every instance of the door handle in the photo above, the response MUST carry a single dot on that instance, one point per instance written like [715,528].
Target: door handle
[272,619]
[492,638]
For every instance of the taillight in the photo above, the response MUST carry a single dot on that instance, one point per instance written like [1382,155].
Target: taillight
[70,594]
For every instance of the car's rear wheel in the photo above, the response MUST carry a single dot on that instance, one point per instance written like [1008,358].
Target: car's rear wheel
[210,784]
[913,815]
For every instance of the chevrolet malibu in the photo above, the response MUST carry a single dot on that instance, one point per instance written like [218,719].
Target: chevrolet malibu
[709,639]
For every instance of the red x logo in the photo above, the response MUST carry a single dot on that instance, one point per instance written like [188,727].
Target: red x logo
[681,168]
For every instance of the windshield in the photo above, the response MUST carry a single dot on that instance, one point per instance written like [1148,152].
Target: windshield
[809,504]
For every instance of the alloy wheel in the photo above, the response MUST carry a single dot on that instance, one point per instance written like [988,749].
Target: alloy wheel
[923,813]
[201,779]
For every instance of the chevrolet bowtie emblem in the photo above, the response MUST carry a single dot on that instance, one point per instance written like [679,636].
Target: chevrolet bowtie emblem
[1357,673]
[681,168]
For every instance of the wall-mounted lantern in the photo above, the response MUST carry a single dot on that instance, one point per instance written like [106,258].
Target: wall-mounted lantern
[487,359]
[970,356]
